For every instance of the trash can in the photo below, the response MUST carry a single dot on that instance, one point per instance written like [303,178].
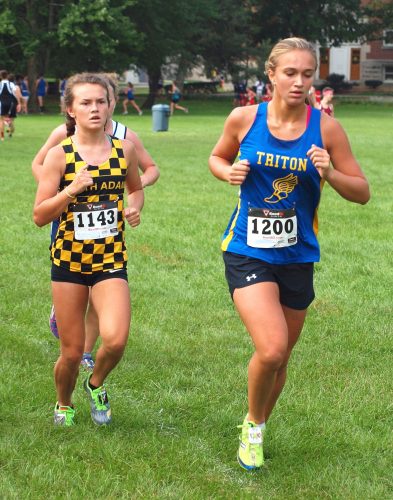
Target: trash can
[161,113]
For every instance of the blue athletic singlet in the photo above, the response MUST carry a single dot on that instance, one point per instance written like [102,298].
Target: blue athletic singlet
[130,95]
[24,89]
[41,87]
[276,216]
[63,84]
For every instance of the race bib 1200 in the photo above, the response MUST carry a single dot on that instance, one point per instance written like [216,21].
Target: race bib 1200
[271,228]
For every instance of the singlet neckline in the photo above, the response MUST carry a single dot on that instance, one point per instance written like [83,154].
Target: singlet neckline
[89,164]
[308,118]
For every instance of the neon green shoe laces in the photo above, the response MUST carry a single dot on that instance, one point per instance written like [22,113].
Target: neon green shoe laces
[64,415]
[100,409]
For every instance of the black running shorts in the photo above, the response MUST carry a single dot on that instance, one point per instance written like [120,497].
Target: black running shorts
[295,281]
[61,274]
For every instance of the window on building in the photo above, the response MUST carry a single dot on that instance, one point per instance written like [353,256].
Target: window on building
[388,38]
[389,73]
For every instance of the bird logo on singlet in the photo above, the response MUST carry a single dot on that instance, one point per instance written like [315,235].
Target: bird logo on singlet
[282,187]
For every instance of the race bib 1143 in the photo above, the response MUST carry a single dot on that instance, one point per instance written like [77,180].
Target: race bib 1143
[95,220]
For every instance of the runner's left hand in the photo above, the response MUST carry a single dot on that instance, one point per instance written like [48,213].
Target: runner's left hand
[320,159]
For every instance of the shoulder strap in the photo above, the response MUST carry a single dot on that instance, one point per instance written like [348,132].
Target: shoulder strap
[119,130]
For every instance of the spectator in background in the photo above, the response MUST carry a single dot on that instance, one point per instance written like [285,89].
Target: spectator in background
[251,97]
[259,87]
[268,95]
[41,88]
[314,97]
[24,88]
[62,86]
[10,103]
[326,104]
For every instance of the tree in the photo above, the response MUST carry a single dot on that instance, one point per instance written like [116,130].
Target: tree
[380,17]
[329,23]
[96,35]
[59,38]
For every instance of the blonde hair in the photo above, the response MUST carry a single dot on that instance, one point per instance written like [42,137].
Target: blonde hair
[78,79]
[287,45]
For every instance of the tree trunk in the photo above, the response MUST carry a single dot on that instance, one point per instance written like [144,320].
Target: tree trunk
[154,77]
[182,69]
[51,18]
[32,63]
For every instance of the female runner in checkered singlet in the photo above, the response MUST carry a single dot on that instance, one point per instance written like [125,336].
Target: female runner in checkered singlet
[82,182]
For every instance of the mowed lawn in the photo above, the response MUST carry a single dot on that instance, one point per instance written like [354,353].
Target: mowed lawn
[180,390]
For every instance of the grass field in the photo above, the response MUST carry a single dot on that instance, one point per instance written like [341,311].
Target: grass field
[180,390]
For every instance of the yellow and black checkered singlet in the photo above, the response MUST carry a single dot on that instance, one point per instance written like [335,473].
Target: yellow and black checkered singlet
[103,254]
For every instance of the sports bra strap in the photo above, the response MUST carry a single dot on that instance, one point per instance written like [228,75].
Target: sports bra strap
[308,115]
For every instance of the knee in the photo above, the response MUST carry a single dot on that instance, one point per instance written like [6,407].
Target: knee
[273,358]
[114,346]
[72,357]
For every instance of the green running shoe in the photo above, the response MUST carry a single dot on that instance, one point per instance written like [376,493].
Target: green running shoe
[99,405]
[64,415]
[250,454]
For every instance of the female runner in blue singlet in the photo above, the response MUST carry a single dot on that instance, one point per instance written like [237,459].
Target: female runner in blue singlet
[130,99]
[288,150]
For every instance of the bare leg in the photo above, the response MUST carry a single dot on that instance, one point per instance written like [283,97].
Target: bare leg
[125,103]
[91,326]
[135,105]
[1,128]
[295,321]
[41,103]
[274,330]
[112,302]
[11,126]
[177,106]
[70,301]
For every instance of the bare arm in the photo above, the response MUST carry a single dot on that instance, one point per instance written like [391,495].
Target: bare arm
[346,176]
[18,95]
[49,202]
[225,151]
[135,197]
[146,162]
[56,136]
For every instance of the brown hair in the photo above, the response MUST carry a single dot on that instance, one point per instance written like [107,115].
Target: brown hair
[111,79]
[287,45]
[78,79]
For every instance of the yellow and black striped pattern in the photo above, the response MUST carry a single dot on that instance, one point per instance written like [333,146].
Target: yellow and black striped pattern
[104,254]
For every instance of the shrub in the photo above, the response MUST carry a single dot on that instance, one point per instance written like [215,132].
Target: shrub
[337,83]
[373,84]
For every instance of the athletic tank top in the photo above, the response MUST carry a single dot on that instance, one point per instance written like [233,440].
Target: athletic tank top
[276,215]
[118,130]
[7,91]
[41,87]
[24,89]
[96,211]
[327,110]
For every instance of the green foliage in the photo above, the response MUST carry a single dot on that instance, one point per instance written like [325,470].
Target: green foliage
[329,23]
[100,33]
[59,38]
